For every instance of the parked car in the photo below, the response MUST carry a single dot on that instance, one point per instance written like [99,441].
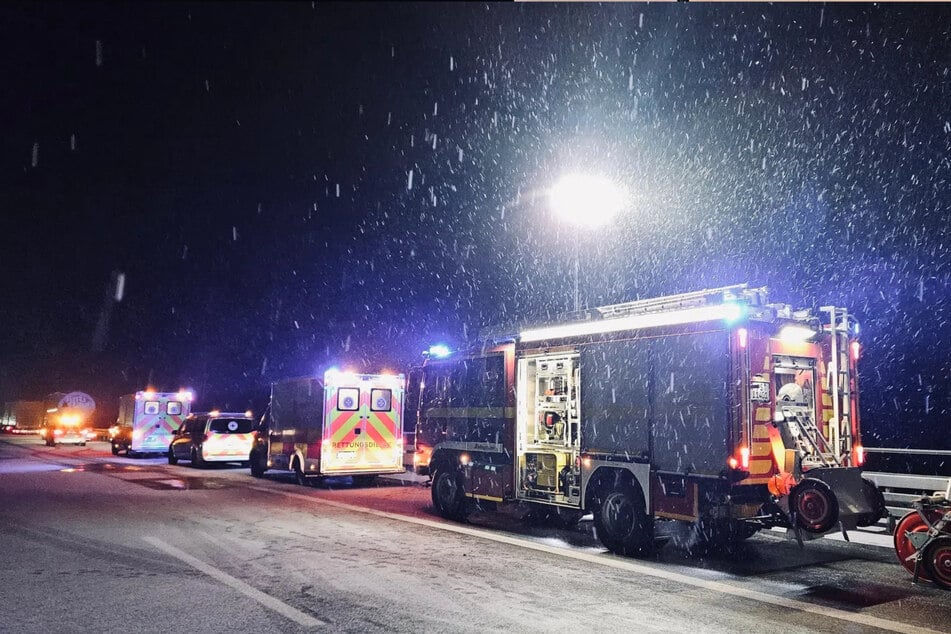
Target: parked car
[213,437]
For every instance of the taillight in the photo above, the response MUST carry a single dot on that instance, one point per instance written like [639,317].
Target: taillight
[856,350]
[859,455]
[745,458]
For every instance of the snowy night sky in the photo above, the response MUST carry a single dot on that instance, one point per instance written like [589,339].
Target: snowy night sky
[288,186]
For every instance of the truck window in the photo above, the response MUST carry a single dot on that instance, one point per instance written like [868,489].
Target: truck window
[434,383]
[173,408]
[152,407]
[348,399]
[457,384]
[381,400]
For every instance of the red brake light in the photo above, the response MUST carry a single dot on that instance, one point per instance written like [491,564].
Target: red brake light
[859,455]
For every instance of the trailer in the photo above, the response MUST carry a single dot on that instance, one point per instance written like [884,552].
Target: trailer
[148,420]
[341,424]
[22,417]
[712,408]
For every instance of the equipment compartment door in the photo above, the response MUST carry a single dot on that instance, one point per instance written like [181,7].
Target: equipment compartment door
[362,428]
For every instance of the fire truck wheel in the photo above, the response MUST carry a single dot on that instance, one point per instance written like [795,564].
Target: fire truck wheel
[447,494]
[621,522]
[815,506]
[171,457]
[874,496]
[937,561]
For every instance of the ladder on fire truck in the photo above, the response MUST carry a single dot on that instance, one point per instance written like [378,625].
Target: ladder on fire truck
[712,296]
[840,382]
[813,447]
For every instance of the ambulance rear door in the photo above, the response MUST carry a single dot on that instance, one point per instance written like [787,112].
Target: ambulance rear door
[363,424]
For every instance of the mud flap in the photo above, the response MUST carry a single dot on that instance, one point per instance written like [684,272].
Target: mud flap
[846,485]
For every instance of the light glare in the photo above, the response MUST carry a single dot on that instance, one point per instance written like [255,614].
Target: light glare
[793,333]
[586,200]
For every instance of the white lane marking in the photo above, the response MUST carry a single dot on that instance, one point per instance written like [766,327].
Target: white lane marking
[626,564]
[264,599]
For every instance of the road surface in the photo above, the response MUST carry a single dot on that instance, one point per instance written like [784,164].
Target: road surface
[93,542]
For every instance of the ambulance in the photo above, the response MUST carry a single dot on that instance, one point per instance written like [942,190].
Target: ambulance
[341,424]
[148,420]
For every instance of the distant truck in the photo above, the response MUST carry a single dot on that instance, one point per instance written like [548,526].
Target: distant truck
[342,424]
[147,420]
[22,417]
[67,419]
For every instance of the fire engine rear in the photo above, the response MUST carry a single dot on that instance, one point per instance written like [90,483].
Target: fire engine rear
[714,408]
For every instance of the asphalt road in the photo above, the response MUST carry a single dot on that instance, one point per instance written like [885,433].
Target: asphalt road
[92,542]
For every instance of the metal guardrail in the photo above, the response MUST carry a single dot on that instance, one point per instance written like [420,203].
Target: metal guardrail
[900,490]
[912,452]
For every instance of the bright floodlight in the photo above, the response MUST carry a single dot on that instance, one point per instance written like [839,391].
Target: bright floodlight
[585,200]
[796,334]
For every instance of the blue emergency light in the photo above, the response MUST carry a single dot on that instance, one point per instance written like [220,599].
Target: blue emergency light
[440,351]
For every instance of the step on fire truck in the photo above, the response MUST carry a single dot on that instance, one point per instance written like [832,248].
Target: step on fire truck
[713,407]
[343,424]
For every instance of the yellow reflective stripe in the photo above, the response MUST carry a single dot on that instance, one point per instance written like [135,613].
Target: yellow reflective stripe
[763,414]
[758,467]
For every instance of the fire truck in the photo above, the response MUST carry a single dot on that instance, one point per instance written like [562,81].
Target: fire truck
[342,424]
[714,408]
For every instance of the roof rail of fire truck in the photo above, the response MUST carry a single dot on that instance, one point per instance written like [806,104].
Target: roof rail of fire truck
[736,292]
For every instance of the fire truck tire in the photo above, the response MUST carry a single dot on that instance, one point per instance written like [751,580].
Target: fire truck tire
[448,497]
[621,521]
[815,506]
[171,457]
[937,561]
[874,496]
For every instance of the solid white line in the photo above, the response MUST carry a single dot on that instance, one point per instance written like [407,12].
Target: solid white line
[626,564]
[264,599]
